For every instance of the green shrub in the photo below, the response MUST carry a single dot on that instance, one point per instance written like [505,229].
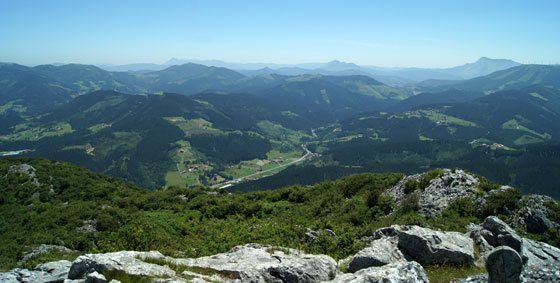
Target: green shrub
[501,203]
[414,185]
[485,185]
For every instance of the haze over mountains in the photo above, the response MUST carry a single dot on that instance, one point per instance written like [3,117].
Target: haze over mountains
[193,124]
[481,67]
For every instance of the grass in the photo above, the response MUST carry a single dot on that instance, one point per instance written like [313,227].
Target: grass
[179,269]
[98,127]
[441,118]
[52,255]
[124,277]
[289,114]
[278,132]
[120,140]
[536,95]
[12,106]
[249,167]
[28,133]
[513,124]
[106,103]
[422,137]
[526,139]
[194,126]
[440,274]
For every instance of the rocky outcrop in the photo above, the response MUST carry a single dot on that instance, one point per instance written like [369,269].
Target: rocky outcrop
[498,233]
[49,273]
[128,262]
[434,247]
[440,191]
[380,252]
[95,277]
[504,264]
[42,249]
[312,235]
[395,254]
[534,216]
[400,271]
[493,233]
[25,169]
[258,263]
[539,253]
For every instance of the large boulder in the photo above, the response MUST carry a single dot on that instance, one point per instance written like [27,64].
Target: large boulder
[498,233]
[504,264]
[534,216]
[56,269]
[494,233]
[50,272]
[43,249]
[434,247]
[396,272]
[95,277]
[539,253]
[128,262]
[259,263]
[380,252]
[440,192]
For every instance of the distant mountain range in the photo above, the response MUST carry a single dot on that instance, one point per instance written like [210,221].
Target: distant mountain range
[512,78]
[393,76]
[38,89]
[194,124]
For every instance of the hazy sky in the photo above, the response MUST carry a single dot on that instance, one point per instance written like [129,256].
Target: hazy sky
[385,33]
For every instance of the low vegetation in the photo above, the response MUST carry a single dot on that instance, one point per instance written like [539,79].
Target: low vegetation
[70,206]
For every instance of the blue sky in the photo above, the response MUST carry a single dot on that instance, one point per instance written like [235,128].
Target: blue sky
[383,33]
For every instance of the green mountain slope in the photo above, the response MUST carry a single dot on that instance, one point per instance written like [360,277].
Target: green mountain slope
[163,139]
[24,90]
[513,78]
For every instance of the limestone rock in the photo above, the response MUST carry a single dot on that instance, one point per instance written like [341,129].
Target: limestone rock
[55,269]
[534,216]
[380,252]
[504,264]
[312,235]
[95,277]
[434,247]
[258,263]
[125,261]
[440,192]
[498,233]
[49,273]
[538,253]
[400,271]
[41,249]
[25,169]
[9,277]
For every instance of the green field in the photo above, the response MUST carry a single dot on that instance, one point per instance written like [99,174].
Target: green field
[98,127]
[12,106]
[106,103]
[193,126]
[275,159]
[122,140]
[440,118]
[278,132]
[513,124]
[25,132]
[173,178]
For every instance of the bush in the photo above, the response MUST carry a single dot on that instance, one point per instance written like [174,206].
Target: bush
[502,203]
[413,185]
[485,185]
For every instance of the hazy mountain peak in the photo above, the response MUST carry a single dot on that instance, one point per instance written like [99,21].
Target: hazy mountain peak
[336,64]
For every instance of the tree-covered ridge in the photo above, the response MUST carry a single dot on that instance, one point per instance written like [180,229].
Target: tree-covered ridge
[50,202]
